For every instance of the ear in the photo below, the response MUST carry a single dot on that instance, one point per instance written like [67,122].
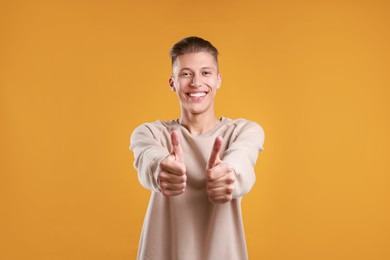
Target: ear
[219,81]
[172,84]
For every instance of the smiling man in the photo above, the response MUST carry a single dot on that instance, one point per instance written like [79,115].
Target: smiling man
[198,166]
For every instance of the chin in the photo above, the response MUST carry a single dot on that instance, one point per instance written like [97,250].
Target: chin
[197,111]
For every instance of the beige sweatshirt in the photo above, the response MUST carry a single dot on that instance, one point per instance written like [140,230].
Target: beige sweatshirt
[189,226]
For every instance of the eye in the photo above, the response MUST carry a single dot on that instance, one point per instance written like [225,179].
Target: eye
[185,74]
[206,73]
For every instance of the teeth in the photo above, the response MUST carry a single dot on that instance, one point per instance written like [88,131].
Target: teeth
[200,94]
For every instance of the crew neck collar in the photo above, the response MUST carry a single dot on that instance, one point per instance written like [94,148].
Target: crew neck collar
[207,133]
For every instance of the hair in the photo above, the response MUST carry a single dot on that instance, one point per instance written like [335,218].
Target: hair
[192,44]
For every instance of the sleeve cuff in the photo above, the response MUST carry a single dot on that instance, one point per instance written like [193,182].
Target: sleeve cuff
[236,173]
[154,170]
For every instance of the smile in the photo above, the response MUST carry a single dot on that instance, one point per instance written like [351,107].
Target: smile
[197,94]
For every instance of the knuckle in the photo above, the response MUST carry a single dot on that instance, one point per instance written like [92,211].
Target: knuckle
[210,176]
[229,190]
[163,177]
[225,199]
[178,192]
[160,174]
[230,181]
[163,163]
[231,178]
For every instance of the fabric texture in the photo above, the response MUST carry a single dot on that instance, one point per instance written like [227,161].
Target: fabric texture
[189,226]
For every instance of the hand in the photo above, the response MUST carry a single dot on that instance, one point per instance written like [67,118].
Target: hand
[220,176]
[172,174]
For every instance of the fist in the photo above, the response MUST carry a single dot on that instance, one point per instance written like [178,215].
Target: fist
[220,176]
[172,171]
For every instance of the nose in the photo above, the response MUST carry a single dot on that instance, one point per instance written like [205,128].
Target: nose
[196,81]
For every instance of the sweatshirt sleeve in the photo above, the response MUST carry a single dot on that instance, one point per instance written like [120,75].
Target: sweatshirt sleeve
[148,152]
[242,154]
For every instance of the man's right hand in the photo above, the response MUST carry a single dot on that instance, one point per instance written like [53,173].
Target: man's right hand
[172,174]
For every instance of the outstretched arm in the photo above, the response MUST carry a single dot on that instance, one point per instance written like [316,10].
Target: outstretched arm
[148,152]
[242,154]
[158,170]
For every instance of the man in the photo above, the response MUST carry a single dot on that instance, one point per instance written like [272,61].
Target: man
[198,167]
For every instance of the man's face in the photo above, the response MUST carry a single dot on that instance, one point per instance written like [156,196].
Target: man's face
[195,79]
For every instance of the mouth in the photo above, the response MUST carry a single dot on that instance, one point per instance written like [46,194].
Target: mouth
[197,95]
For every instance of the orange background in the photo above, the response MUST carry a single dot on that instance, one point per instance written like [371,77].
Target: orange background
[76,77]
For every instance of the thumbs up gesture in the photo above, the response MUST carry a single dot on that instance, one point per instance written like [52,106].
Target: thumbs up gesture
[172,171]
[220,177]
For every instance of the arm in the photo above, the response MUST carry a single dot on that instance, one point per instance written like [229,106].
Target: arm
[148,153]
[157,169]
[242,154]
[233,176]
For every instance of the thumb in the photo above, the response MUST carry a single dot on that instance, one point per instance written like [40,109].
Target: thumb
[176,147]
[214,157]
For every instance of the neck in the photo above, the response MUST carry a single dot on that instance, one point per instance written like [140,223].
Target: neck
[198,124]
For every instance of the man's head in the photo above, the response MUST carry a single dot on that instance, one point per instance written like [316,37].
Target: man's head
[195,76]
[192,44]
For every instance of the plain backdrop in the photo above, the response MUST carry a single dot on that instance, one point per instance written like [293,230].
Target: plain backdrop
[76,78]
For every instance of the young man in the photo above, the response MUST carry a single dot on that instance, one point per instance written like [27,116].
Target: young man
[198,167]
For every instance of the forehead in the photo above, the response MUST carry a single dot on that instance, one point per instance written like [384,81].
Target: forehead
[194,61]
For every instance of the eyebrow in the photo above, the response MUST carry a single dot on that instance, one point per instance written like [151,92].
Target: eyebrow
[200,68]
